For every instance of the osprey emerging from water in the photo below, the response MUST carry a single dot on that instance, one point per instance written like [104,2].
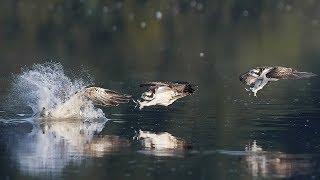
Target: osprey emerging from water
[164,93]
[103,97]
[74,106]
[258,77]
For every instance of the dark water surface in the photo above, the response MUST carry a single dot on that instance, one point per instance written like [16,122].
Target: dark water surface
[220,132]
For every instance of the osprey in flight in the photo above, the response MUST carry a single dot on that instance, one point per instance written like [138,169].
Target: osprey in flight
[75,105]
[258,77]
[164,93]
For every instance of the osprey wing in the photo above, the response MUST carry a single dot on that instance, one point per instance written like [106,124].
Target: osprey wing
[105,97]
[155,83]
[169,84]
[288,73]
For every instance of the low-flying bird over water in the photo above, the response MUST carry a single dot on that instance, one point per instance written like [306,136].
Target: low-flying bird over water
[164,93]
[75,105]
[103,97]
[258,77]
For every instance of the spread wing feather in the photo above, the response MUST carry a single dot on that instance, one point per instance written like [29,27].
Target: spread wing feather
[150,84]
[105,97]
[181,87]
[288,73]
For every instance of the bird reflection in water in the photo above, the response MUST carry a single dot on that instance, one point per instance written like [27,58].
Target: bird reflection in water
[276,164]
[54,143]
[161,144]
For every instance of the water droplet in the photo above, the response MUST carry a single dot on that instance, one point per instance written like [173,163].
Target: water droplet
[245,13]
[114,28]
[105,9]
[159,15]
[143,24]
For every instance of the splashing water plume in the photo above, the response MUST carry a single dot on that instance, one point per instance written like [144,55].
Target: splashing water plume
[46,86]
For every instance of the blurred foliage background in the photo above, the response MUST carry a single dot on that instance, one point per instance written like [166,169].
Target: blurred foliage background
[192,37]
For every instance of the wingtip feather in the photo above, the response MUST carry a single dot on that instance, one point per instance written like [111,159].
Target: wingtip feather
[303,75]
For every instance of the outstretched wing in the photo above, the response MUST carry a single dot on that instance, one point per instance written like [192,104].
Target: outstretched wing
[150,84]
[288,73]
[105,97]
[181,87]
[169,84]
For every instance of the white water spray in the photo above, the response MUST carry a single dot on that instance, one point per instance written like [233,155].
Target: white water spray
[46,86]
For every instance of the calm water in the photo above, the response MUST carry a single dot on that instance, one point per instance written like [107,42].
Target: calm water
[220,132]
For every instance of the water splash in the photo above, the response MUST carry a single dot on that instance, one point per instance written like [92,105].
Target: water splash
[47,86]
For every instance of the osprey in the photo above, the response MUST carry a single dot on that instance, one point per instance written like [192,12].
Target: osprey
[258,77]
[164,93]
[75,105]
